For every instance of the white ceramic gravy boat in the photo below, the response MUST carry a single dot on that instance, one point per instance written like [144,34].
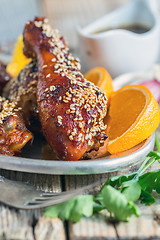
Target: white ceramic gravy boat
[119,50]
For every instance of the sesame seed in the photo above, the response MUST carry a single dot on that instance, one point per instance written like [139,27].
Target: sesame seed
[59,119]
[73,133]
[68,98]
[52,88]
[56,66]
[89,143]
[80,135]
[81,125]
[71,137]
[53,60]
[86,137]
[87,130]
[44,66]
[75,130]
[38,23]
[48,75]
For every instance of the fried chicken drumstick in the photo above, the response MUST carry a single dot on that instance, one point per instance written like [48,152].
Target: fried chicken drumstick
[13,132]
[71,109]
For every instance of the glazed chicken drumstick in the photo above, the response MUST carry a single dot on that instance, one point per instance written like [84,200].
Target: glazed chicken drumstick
[13,132]
[71,109]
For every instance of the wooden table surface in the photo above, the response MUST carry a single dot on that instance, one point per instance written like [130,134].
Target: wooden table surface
[31,225]
[26,225]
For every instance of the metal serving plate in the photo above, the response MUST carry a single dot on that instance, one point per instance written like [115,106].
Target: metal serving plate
[101,165]
[32,158]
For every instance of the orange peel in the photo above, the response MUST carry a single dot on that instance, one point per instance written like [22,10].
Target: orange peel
[133,116]
[101,78]
[18,61]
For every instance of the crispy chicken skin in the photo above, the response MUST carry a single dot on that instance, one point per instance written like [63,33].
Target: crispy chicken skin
[22,89]
[71,109]
[13,133]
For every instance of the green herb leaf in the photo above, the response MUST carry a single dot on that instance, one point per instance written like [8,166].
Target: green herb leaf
[98,205]
[117,195]
[150,181]
[117,204]
[147,198]
[154,154]
[157,143]
[118,180]
[74,209]
[131,190]
[83,207]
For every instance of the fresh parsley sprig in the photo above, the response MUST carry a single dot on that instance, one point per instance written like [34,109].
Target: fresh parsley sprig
[118,195]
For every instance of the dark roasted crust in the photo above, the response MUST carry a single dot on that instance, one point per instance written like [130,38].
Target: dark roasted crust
[71,109]
[4,76]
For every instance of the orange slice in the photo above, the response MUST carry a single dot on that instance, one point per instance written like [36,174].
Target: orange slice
[101,78]
[133,116]
[18,61]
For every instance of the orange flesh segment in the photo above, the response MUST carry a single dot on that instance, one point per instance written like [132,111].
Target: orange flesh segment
[96,77]
[133,116]
[124,120]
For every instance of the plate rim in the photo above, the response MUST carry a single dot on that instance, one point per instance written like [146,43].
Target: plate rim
[82,167]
